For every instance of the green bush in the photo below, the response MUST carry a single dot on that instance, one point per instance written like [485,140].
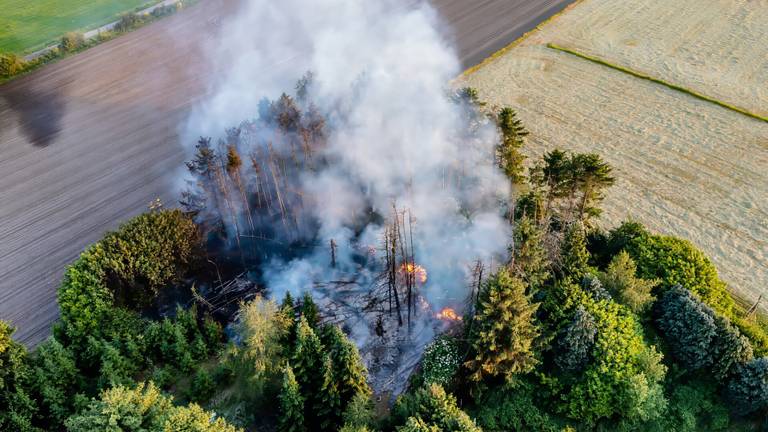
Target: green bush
[202,388]
[625,378]
[441,361]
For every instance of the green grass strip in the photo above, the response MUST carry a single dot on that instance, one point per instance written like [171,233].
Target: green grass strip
[657,81]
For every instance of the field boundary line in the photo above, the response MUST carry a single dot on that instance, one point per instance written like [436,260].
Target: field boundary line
[660,81]
[516,42]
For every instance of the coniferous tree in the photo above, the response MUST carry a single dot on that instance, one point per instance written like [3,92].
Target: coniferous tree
[730,348]
[689,327]
[592,286]
[349,370]
[432,409]
[288,310]
[551,175]
[748,388]
[359,412]
[327,400]
[574,345]
[55,379]
[310,311]
[202,168]
[509,153]
[620,280]
[291,404]
[530,205]
[503,333]
[233,165]
[307,358]
[574,257]
[529,257]
[594,176]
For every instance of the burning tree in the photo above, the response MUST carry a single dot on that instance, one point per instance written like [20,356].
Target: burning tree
[246,205]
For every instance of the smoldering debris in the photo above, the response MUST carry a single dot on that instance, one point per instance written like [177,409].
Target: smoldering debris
[304,189]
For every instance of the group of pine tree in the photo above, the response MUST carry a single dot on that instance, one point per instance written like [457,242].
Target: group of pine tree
[582,329]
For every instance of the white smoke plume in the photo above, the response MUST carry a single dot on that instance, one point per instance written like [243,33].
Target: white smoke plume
[384,68]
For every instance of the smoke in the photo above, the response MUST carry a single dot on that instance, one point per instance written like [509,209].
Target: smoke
[381,72]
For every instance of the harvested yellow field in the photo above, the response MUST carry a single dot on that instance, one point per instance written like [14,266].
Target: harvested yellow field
[685,167]
[718,48]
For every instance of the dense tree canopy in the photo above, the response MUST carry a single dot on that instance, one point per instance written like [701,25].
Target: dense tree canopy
[127,266]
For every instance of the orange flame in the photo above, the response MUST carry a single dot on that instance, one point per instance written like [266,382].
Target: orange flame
[448,314]
[419,273]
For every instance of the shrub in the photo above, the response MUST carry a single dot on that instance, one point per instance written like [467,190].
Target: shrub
[202,387]
[71,41]
[624,378]
[128,22]
[143,408]
[11,64]
[163,377]
[441,361]
[165,10]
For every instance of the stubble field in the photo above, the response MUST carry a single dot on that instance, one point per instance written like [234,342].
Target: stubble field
[685,167]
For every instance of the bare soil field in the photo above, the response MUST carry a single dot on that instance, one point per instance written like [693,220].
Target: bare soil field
[685,167]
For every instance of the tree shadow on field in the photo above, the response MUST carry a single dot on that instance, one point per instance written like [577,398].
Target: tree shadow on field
[39,111]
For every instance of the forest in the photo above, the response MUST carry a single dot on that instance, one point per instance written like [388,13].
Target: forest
[170,322]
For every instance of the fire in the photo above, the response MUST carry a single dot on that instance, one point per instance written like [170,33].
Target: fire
[448,314]
[419,273]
